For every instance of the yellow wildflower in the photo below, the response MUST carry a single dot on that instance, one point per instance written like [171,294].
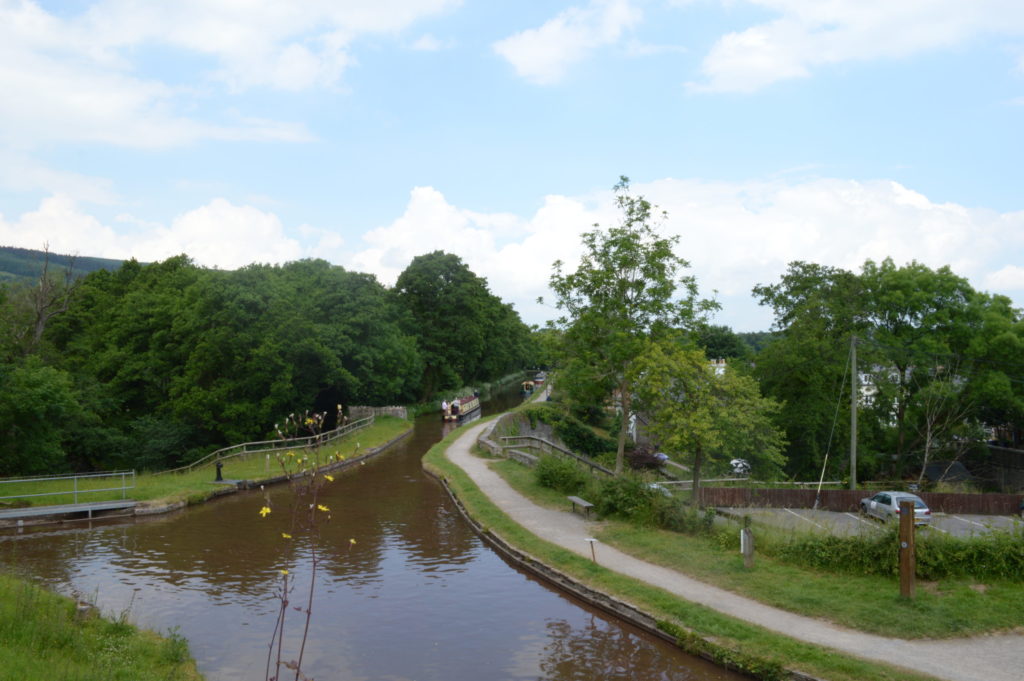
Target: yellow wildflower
[286,535]
[323,508]
[329,478]
[264,511]
[351,541]
[283,572]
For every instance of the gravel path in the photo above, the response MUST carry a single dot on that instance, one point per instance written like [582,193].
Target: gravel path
[982,658]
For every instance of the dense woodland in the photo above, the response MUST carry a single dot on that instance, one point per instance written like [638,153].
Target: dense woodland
[149,366]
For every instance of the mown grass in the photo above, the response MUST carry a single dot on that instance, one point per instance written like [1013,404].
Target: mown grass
[944,608]
[199,484]
[727,633]
[42,637]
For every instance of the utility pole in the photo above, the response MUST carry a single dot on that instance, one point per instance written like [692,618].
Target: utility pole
[853,412]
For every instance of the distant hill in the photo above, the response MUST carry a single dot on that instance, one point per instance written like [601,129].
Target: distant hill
[23,264]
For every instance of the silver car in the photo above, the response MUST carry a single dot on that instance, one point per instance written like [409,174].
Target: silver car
[886,506]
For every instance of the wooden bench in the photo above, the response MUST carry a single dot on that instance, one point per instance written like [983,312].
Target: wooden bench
[582,503]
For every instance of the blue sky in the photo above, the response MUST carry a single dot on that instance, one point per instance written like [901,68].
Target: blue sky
[367,132]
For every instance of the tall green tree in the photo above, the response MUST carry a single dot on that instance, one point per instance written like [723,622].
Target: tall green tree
[36,401]
[914,314]
[465,334]
[703,416]
[817,310]
[913,325]
[622,293]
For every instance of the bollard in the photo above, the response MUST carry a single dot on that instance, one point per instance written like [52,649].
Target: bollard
[220,465]
[747,547]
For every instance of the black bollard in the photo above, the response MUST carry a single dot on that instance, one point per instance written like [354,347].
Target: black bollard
[219,478]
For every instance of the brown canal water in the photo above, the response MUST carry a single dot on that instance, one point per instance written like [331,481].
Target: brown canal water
[418,596]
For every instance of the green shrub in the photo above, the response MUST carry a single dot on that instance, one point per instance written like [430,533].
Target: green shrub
[995,555]
[575,434]
[630,497]
[559,473]
[680,517]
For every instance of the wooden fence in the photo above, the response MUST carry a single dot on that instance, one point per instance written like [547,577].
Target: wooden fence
[849,500]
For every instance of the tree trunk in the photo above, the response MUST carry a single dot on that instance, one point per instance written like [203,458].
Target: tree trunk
[620,452]
[901,413]
[698,459]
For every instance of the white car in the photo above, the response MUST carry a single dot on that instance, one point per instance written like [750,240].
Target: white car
[740,467]
[886,506]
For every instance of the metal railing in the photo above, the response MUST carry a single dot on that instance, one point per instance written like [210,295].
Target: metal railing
[269,446]
[548,447]
[76,488]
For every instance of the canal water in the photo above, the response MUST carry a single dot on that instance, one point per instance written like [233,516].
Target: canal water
[418,596]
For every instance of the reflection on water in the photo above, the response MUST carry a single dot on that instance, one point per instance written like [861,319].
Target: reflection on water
[418,596]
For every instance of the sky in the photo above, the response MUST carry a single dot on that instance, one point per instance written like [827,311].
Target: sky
[367,132]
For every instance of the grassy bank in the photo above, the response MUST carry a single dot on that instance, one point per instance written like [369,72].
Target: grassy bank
[197,485]
[753,647]
[43,637]
[950,607]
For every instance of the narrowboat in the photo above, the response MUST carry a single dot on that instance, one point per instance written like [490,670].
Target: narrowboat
[461,407]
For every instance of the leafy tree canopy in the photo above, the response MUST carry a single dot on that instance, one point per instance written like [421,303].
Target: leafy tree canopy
[622,293]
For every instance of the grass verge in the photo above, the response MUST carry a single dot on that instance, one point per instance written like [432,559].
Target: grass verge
[761,651]
[198,485]
[944,608]
[42,636]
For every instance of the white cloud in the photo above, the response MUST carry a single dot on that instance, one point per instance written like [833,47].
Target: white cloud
[219,234]
[544,55]
[735,235]
[428,43]
[72,78]
[1009,278]
[21,173]
[809,34]
[277,43]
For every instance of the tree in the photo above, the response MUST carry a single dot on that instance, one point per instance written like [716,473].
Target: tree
[28,310]
[621,294]
[721,342]
[704,416]
[464,332]
[817,309]
[35,403]
[914,313]
[913,324]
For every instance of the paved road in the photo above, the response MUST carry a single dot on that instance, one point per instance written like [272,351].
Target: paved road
[984,658]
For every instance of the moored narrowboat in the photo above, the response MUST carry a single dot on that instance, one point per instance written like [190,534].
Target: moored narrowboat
[461,407]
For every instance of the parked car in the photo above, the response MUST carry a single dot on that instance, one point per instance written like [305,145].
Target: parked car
[740,467]
[886,506]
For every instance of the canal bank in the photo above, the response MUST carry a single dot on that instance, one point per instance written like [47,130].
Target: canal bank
[68,513]
[767,633]
[418,595]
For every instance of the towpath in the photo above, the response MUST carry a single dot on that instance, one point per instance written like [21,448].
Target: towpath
[981,658]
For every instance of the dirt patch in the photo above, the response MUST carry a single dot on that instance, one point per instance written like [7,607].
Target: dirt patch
[980,588]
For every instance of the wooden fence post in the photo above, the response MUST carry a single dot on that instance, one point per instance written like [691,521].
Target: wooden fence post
[908,560]
[747,543]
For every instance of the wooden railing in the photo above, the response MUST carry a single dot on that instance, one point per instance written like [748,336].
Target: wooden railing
[269,446]
[532,442]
